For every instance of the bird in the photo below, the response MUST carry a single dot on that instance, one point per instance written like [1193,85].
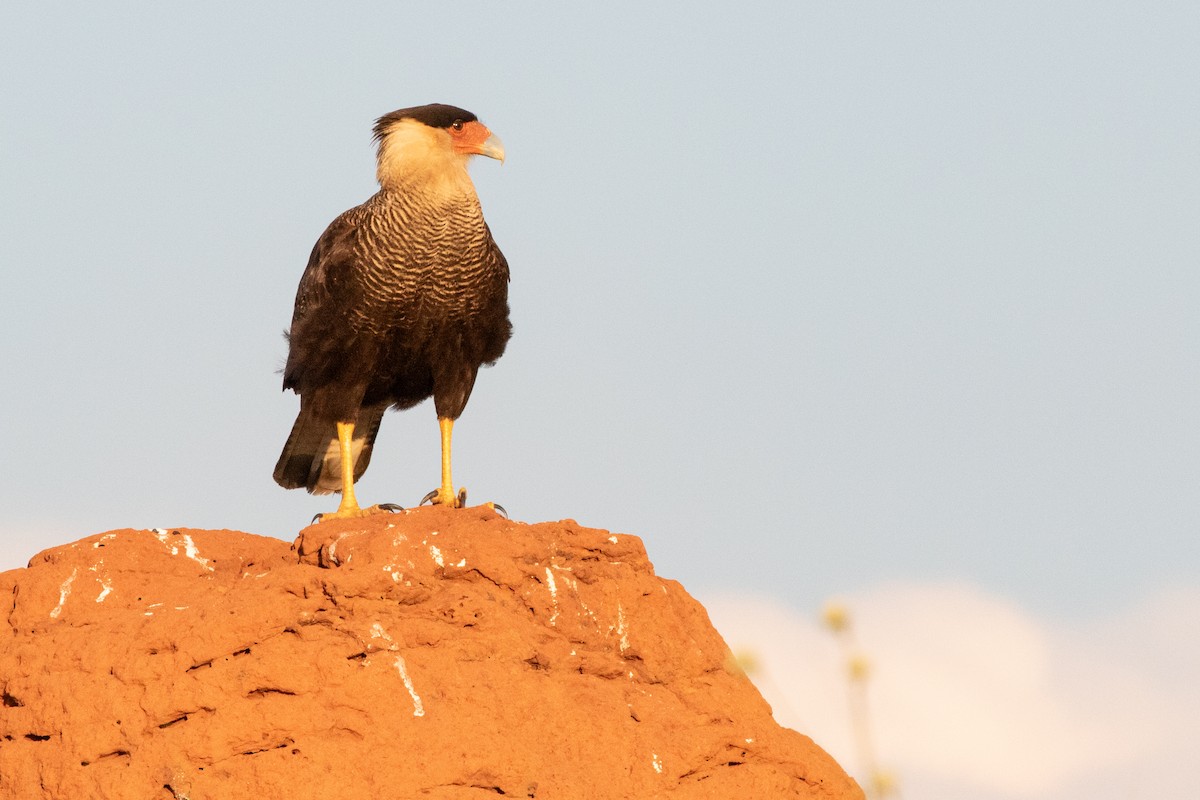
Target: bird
[404,298]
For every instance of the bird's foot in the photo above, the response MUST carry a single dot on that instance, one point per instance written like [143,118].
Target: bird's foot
[356,512]
[445,496]
[438,497]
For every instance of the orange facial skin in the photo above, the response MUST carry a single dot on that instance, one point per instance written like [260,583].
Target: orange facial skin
[473,138]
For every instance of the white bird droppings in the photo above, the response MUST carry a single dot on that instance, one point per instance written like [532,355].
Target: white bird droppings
[189,547]
[332,551]
[550,584]
[105,585]
[418,706]
[64,591]
[193,552]
[377,632]
[437,555]
[657,764]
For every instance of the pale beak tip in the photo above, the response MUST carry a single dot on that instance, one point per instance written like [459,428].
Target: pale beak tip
[493,148]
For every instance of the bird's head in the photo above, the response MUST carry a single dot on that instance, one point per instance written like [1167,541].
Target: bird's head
[431,144]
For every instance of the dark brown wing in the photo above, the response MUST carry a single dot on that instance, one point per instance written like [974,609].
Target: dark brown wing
[318,317]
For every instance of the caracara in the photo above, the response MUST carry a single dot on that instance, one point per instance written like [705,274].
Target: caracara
[404,297]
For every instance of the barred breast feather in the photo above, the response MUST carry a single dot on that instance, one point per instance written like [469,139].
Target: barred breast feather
[404,297]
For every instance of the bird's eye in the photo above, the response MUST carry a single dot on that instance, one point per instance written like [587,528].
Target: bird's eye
[457,124]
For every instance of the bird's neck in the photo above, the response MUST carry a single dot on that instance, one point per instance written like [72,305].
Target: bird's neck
[431,197]
[449,182]
[409,162]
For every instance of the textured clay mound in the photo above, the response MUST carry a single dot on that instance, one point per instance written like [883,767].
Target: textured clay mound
[428,654]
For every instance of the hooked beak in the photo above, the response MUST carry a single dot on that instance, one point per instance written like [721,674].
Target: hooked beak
[492,147]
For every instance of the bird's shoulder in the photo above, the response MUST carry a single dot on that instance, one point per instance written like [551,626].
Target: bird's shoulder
[331,257]
[499,262]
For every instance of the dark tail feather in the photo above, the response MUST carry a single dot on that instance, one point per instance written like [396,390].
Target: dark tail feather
[311,458]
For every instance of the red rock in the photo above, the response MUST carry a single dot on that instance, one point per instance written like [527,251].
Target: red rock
[433,653]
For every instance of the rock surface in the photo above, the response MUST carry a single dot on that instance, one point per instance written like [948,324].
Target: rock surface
[433,654]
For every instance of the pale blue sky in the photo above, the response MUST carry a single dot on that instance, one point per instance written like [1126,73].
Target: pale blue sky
[809,296]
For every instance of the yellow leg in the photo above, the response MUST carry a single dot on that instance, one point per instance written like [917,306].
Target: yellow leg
[349,505]
[445,495]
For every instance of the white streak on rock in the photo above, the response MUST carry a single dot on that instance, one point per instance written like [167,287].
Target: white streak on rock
[64,591]
[105,585]
[193,552]
[332,551]
[586,610]
[553,595]
[622,630]
[189,547]
[437,554]
[418,707]
[657,764]
[377,632]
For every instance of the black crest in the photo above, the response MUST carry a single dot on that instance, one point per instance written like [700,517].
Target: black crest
[435,115]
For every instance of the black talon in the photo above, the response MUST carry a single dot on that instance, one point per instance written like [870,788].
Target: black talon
[316,518]
[428,498]
[499,509]
[392,507]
